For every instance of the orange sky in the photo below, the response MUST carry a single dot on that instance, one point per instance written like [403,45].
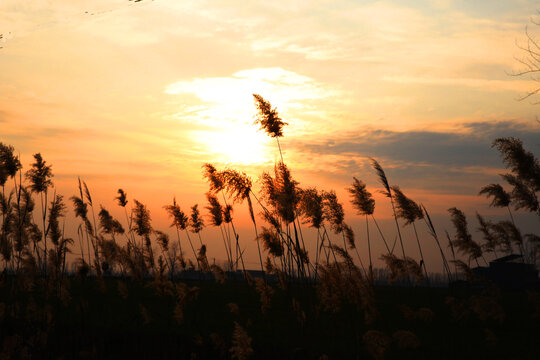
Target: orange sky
[140,95]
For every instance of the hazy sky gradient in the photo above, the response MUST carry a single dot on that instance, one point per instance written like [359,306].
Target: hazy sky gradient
[140,95]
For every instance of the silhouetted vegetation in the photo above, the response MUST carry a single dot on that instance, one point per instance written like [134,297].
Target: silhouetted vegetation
[135,292]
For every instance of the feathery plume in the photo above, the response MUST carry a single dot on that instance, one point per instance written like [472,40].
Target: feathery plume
[39,175]
[227,213]
[141,219]
[402,268]
[281,192]
[500,197]
[121,198]
[213,177]
[311,206]
[196,222]
[163,240]
[180,220]
[362,200]
[108,224]
[9,163]
[349,235]
[521,162]
[237,184]
[382,177]
[271,242]
[87,193]
[56,211]
[333,211]
[241,349]
[463,239]
[265,293]
[524,196]
[407,209]
[268,118]
[507,233]
[491,241]
[216,211]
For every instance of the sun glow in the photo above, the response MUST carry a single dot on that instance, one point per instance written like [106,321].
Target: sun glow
[239,144]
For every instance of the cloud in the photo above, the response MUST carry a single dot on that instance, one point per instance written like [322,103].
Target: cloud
[453,161]
[468,147]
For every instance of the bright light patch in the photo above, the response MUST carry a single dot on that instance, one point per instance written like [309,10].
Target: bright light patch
[240,144]
[227,115]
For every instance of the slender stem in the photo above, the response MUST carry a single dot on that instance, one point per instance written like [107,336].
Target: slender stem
[193,248]
[369,244]
[420,250]
[380,232]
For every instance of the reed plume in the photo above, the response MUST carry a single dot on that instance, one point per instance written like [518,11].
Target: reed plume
[271,242]
[40,175]
[333,211]
[202,259]
[491,241]
[463,240]
[163,240]
[402,268]
[525,176]
[500,198]
[387,191]
[268,118]
[410,211]
[217,219]
[362,199]
[241,343]
[265,294]
[227,213]
[407,209]
[141,220]
[215,209]
[213,177]
[507,234]
[9,164]
[382,178]
[196,222]
[121,198]
[181,222]
[238,185]
[108,224]
[523,195]
[363,202]
[56,211]
[520,161]
[281,192]
[311,206]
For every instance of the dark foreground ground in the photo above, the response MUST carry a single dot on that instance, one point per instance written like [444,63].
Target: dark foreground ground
[124,319]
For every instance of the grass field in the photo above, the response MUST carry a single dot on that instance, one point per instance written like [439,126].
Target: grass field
[121,318]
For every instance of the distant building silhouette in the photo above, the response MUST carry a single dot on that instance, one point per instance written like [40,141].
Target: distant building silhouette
[508,272]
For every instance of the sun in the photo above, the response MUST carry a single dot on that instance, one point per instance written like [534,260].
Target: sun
[237,144]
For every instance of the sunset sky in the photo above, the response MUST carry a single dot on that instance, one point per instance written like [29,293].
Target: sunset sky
[139,95]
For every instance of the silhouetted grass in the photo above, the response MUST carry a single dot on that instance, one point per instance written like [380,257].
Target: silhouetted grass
[134,293]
